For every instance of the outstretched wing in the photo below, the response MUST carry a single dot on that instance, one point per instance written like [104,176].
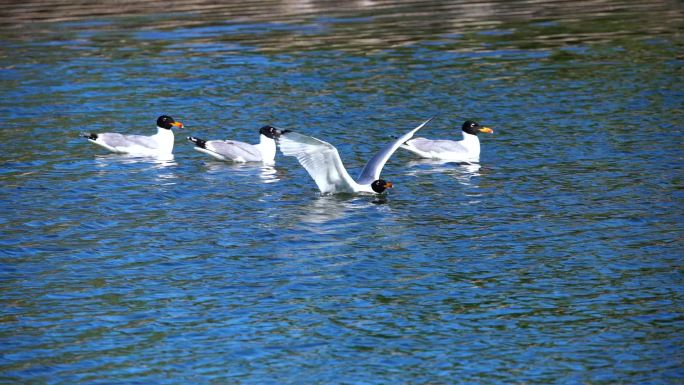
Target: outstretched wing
[374,166]
[320,159]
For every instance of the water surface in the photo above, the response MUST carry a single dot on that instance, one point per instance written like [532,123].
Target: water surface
[557,259]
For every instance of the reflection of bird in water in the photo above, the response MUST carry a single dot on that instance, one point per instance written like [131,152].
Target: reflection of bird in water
[465,150]
[328,208]
[462,171]
[164,164]
[466,172]
[160,162]
[160,144]
[324,209]
[267,173]
[233,150]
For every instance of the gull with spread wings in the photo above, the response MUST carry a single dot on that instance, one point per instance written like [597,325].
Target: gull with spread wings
[322,161]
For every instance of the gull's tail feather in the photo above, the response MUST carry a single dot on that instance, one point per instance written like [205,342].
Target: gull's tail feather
[198,142]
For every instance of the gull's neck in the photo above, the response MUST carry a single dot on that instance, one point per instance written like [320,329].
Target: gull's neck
[165,139]
[472,144]
[267,147]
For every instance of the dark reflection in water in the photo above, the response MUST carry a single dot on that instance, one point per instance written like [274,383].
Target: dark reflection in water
[355,25]
[555,260]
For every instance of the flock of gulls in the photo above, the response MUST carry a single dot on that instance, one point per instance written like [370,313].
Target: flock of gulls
[320,159]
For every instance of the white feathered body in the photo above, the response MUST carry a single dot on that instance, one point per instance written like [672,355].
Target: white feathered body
[236,151]
[159,144]
[466,150]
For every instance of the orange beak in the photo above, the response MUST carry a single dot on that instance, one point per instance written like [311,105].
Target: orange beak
[486,130]
[388,185]
[177,124]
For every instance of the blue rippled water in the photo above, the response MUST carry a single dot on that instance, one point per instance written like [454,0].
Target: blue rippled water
[557,259]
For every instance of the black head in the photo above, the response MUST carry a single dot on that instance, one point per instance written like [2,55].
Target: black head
[270,132]
[474,128]
[167,122]
[380,185]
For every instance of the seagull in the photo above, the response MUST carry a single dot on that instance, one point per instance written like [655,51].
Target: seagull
[322,161]
[232,150]
[159,144]
[466,150]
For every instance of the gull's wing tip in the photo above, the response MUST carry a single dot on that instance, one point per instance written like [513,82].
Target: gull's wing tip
[436,114]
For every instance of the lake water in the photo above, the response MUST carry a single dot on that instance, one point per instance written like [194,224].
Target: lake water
[557,259]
